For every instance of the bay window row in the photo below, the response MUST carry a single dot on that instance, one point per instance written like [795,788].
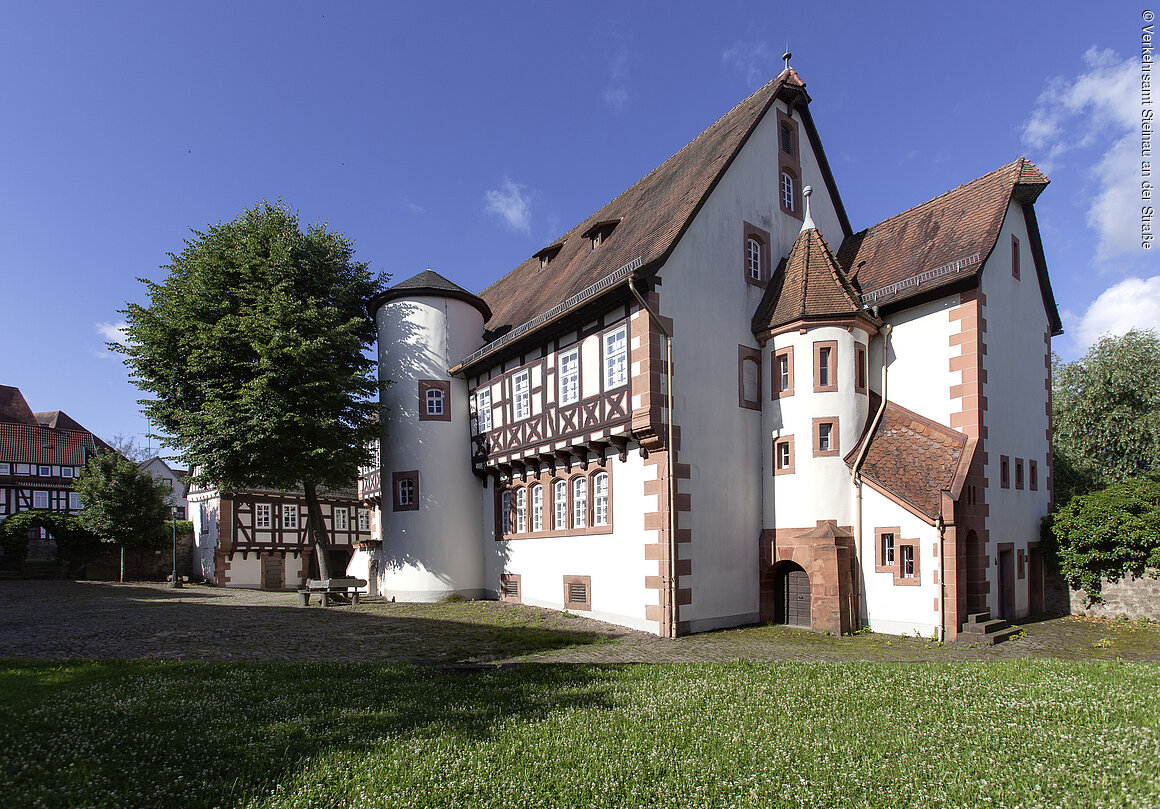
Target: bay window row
[555,506]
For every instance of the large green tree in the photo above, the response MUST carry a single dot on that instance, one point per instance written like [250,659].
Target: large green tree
[1106,414]
[122,503]
[253,349]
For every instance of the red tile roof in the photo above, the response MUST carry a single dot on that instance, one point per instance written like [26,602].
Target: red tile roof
[13,407]
[810,284]
[915,459]
[948,237]
[651,215]
[25,443]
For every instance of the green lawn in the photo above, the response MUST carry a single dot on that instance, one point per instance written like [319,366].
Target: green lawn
[150,734]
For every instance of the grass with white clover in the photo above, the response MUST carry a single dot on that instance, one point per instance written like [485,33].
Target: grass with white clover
[195,734]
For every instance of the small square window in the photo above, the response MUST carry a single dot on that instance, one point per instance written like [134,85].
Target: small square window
[783,460]
[783,372]
[290,516]
[5,469]
[262,515]
[45,471]
[825,366]
[406,490]
[826,437]
[342,518]
[434,400]
[66,471]
[364,519]
[906,567]
[23,469]
[39,499]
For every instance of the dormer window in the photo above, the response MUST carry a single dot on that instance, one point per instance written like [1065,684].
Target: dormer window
[548,253]
[598,234]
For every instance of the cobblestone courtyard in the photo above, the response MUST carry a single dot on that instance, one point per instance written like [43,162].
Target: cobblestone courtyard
[53,619]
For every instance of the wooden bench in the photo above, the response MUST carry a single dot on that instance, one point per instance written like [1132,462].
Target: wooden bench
[325,588]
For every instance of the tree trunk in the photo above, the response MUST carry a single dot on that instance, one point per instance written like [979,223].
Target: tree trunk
[317,529]
[122,563]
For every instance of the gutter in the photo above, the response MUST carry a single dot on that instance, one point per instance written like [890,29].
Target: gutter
[669,464]
[885,332]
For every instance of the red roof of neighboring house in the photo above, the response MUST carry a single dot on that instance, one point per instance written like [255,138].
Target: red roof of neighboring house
[948,238]
[915,459]
[26,443]
[13,407]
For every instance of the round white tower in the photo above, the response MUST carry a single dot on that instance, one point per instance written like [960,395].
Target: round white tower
[432,508]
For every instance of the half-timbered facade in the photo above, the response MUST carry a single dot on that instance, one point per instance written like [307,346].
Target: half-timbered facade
[713,402]
[41,455]
[260,538]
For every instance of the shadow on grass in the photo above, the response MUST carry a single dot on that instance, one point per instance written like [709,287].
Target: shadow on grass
[225,734]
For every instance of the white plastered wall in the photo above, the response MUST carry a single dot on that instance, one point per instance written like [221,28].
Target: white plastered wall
[205,540]
[919,376]
[615,561]
[705,292]
[434,551]
[899,608]
[1016,419]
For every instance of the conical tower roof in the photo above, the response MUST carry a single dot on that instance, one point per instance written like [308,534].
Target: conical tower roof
[431,283]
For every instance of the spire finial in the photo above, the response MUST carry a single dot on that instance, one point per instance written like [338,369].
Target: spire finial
[808,221]
[787,55]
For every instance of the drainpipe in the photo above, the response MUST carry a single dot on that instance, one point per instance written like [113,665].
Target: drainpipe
[886,329]
[942,580]
[669,467]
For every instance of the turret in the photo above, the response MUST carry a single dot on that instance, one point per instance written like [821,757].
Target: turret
[432,507]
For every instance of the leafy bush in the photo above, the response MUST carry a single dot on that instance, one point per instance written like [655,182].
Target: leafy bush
[1110,533]
[75,545]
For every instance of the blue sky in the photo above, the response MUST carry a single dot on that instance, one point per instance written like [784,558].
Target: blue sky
[465,136]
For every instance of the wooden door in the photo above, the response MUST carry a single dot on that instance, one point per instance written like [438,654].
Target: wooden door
[273,573]
[1007,585]
[797,598]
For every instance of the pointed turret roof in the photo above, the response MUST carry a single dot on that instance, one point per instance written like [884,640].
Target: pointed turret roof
[809,284]
[432,283]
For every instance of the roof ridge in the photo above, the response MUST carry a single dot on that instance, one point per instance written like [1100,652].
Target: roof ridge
[1005,167]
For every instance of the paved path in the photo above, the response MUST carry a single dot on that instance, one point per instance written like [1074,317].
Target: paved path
[52,619]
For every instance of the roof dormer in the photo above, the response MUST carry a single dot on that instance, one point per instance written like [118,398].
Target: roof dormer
[600,232]
[548,253]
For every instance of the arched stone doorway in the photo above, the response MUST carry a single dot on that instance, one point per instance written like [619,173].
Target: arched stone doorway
[791,593]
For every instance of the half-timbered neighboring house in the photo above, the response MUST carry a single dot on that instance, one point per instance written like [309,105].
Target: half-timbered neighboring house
[713,402]
[261,537]
[41,454]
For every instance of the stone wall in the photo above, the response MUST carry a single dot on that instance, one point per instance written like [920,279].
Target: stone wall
[1130,596]
[144,564]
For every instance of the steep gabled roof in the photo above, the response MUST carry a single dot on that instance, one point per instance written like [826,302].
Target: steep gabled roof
[651,216]
[949,238]
[14,408]
[809,284]
[58,419]
[915,459]
[428,282]
[32,443]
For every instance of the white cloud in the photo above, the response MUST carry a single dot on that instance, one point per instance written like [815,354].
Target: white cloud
[1098,109]
[114,332]
[1133,303]
[512,203]
[616,92]
[752,59]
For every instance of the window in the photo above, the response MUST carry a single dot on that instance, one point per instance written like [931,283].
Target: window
[23,469]
[74,501]
[537,508]
[560,506]
[753,258]
[786,139]
[434,400]
[888,549]
[483,408]
[521,396]
[505,513]
[570,377]
[1018,473]
[1015,258]
[825,366]
[580,503]
[39,499]
[521,511]
[783,372]
[45,471]
[1004,472]
[748,377]
[364,519]
[180,512]
[203,518]
[616,357]
[825,437]
[262,515]
[859,368]
[783,455]
[5,469]
[600,499]
[906,567]
[290,516]
[1033,476]
[342,519]
[787,195]
[65,471]
[405,486]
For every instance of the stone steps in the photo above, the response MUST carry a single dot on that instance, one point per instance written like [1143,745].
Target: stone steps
[981,628]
